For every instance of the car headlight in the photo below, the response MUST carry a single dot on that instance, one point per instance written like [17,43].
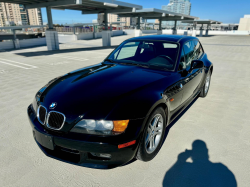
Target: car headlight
[100,127]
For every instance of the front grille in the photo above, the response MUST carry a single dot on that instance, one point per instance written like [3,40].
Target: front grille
[41,114]
[55,120]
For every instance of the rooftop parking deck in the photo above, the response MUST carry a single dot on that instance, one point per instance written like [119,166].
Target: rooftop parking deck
[221,120]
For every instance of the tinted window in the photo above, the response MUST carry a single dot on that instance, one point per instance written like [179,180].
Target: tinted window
[198,51]
[182,64]
[155,54]
[189,53]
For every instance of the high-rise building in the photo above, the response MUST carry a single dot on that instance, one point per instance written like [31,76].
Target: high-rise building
[115,18]
[15,14]
[178,6]
[35,16]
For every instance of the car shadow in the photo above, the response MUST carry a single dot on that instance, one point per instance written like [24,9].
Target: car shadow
[200,172]
[61,51]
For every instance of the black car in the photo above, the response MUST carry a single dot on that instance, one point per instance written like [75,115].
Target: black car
[107,114]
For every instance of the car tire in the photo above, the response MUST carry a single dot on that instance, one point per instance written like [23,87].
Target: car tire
[206,85]
[153,135]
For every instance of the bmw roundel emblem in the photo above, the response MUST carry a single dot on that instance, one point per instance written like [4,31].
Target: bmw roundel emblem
[53,105]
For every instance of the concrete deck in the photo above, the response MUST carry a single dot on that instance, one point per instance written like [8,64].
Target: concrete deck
[221,120]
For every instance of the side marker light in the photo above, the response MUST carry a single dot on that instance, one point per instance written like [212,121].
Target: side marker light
[126,144]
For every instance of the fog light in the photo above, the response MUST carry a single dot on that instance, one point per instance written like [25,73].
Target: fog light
[102,155]
[105,155]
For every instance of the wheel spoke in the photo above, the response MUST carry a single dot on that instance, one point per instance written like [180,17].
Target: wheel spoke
[158,128]
[149,130]
[157,133]
[148,140]
[156,120]
[151,143]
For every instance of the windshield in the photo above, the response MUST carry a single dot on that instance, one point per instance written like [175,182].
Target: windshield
[155,54]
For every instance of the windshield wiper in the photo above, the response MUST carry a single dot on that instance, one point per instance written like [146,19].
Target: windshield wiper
[135,64]
[109,60]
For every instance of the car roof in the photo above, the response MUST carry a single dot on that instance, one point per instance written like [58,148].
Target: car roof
[170,38]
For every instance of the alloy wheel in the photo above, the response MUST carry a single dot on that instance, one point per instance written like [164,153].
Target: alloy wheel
[154,133]
[207,84]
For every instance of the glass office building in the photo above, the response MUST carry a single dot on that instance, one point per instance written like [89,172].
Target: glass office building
[177,6]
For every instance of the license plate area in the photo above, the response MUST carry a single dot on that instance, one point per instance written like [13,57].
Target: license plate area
[44,140]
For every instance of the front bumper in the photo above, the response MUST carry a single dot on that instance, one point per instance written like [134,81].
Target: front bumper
[65,148]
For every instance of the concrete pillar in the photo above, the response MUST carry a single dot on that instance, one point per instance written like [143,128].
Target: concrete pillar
[175,29]
[138,32]
[106,38]
[208,27]
[194,29]
[106,20]
[52,40]
[51,34]
[15,40]
[106,34]
[160,24]
[49,16]
[94,31]
[201,31]
[159,32]
[74,29]
[139,23]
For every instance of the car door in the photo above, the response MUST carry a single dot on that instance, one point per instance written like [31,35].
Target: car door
[192,78]
[175,91]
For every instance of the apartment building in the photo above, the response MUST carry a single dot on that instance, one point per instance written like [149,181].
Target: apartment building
[16,14]
[115,18]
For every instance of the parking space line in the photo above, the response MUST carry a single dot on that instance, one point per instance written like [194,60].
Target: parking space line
[14,65]
[70,57]
[11,61]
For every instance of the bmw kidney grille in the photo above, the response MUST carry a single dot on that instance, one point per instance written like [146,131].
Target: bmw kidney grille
[55,120]
[41,114]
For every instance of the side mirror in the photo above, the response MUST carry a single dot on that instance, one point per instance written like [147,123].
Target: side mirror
[196,64]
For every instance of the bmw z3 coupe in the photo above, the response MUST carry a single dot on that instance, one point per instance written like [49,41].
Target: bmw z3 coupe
[105,115]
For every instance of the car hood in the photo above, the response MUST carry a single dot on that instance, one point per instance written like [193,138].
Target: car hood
[95,90]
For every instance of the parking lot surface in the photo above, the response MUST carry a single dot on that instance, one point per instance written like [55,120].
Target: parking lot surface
[221,121]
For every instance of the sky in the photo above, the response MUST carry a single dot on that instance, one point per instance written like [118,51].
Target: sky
[226,11]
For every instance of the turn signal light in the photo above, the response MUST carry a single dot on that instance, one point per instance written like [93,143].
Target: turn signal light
[126,144]
[120,126]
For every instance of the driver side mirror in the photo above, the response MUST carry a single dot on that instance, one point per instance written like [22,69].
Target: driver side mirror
[196,64]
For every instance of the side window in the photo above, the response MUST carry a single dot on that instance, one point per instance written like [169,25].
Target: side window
[198,51]
[182,64]
[189,54]
[127,51]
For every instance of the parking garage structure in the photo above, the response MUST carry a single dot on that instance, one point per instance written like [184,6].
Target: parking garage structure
[161,15]
[86,6]
[202,23]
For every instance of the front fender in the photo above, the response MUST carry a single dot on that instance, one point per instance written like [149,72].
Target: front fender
[136,106]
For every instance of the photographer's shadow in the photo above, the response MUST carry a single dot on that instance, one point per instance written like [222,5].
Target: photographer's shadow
[201,172]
